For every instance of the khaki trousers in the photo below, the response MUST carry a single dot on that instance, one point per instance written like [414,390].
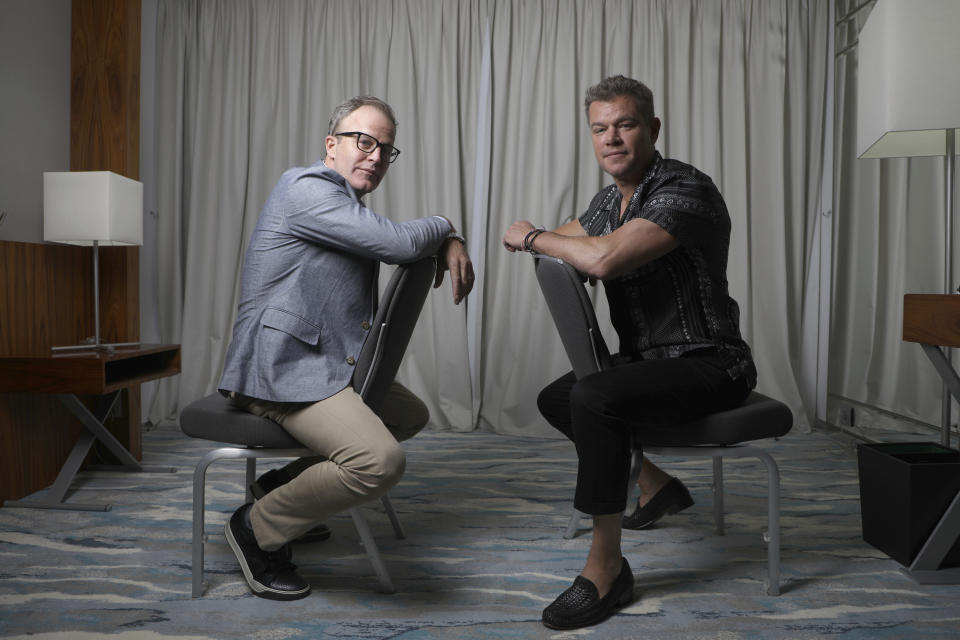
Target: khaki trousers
[363,458]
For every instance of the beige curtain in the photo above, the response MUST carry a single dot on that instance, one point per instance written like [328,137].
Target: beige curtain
[245,89]
[489,97]
[889,241]
[740,89]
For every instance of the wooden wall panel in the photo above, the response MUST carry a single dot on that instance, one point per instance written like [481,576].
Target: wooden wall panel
[105,136]
[46,299]
[46,290]
[36,435]
[105,87]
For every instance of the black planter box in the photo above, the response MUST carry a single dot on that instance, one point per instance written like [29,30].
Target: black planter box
[904,490]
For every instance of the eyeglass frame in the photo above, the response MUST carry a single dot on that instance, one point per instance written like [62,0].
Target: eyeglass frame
[392,154]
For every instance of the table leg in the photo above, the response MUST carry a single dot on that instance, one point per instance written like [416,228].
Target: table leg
[54,499]
[949,377]
[924,568]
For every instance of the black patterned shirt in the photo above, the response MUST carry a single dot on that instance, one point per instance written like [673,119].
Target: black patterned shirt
[678,302]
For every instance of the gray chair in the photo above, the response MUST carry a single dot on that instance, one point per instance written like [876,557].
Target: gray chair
[716,436]
[216,418]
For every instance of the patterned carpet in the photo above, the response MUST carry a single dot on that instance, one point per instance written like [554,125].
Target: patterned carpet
[484,516]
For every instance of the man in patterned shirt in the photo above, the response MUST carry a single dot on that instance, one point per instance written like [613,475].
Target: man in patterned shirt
[658,239]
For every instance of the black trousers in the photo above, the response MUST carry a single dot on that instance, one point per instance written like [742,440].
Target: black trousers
[601,412]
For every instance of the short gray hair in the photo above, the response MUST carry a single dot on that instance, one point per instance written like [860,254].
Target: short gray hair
[614,86]
[349,106]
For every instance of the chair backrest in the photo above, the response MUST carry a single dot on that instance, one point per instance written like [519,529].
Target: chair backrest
[573,315]
[397,314]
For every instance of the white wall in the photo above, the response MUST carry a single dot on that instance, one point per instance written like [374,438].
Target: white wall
[34,109]
[35,129]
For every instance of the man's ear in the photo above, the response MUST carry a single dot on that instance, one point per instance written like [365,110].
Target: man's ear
[654,130]
[330,144]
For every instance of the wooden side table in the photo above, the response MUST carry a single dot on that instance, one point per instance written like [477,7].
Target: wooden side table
[933,321]
[104,373]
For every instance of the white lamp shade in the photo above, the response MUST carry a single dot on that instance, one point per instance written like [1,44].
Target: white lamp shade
[908,79]
[80,207]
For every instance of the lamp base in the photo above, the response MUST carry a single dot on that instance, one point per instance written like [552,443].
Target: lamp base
[95,346]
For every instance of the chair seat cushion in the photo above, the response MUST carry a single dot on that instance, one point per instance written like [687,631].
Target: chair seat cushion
[758,417]
[216,418]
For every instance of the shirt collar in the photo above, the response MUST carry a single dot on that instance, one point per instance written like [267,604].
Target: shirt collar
[656,162]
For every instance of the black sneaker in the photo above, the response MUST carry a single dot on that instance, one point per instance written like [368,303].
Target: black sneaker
[270,574]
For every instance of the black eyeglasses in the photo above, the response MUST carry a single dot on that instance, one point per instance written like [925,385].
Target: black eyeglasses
[367,143]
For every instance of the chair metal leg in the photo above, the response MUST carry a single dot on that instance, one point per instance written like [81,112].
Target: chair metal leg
[394,520]
[772,537]
[251,476]
[199,499]
[372,551]
[199,504]
[718,508]
[636,464]
[574,524]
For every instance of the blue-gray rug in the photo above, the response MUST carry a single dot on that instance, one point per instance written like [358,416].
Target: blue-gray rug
[484,553]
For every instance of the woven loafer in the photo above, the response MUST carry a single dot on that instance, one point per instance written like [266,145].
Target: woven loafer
[270,574]
[582,606]
[673,497]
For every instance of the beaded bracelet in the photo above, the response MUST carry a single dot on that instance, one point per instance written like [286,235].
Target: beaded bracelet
[531,237]
[527,239]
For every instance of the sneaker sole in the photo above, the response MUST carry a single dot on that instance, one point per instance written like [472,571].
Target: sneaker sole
[258,588]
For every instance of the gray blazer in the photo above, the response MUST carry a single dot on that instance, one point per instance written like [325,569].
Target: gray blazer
[309,286]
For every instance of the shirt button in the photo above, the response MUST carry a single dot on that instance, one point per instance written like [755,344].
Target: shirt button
[351,361]
[365,325]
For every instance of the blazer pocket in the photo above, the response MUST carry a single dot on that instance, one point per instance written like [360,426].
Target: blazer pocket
[291,324]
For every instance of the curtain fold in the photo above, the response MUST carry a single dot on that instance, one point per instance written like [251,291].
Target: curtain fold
[489,97]
[246,88]
[739,87]
[888,242]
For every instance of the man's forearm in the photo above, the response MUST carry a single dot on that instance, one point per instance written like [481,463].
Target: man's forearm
[635,243]
[586,253]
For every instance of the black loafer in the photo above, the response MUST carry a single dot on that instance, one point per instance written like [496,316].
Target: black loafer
[581,605]
[672,498]
[274,478]
[270,574]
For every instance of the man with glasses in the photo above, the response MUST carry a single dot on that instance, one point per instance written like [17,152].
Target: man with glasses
[308,296]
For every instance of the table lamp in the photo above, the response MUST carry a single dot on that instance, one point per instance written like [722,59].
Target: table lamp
[908,97]
[908,94]
[92,208]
